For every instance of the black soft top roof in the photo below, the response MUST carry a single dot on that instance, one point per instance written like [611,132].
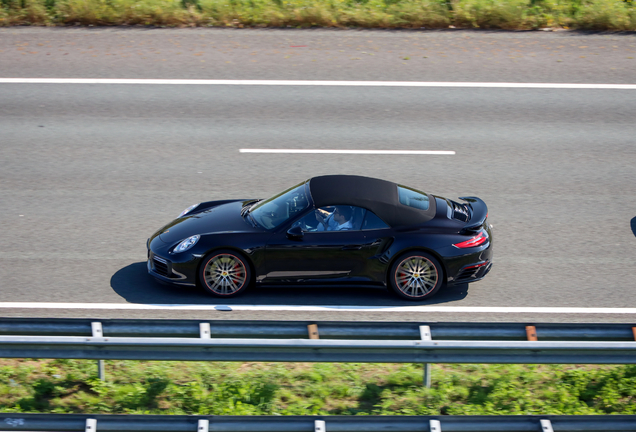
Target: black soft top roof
[379,196]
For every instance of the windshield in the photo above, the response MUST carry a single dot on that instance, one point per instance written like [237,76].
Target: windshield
[274,211]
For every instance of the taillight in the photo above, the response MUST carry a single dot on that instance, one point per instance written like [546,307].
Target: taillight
[478,240]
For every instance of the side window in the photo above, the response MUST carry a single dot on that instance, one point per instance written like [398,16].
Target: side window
[371,221]
[333,218]
[413,198]
[311,222]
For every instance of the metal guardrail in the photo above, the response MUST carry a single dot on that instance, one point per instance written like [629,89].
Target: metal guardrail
[300,341]
[327,329]
[138,423]
[321,350]
[369,342]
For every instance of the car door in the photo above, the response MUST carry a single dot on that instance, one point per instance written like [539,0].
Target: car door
[321,256]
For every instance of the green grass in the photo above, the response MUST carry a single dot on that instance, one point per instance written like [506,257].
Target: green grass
[70,386]
[489,14]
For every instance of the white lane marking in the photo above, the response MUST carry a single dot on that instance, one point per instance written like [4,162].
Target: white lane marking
[316,83]
[321,308]
[370,152]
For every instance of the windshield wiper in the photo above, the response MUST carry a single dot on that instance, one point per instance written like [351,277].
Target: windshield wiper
[248,202]
[252,219]
[247,206]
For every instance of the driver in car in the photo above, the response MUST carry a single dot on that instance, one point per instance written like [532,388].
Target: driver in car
[338,220]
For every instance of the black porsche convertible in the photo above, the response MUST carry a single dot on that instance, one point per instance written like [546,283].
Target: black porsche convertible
[331,229]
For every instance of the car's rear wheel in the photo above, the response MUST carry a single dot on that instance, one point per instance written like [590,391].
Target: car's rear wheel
[416,276]
[225,273]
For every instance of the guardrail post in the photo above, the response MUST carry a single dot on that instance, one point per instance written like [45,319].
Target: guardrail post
[435,426]
[98,332]
[101,374]
[546,426]
[320,426]
[91,425]
[427,375]
[531,333]
[204,425]
[425,335]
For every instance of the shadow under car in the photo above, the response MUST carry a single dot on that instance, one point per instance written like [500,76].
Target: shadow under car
[135,285]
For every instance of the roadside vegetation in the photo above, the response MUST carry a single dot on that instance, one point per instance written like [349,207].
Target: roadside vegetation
[70,386]
[406,14]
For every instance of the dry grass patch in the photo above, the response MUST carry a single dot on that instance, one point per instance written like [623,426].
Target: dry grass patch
[411,14]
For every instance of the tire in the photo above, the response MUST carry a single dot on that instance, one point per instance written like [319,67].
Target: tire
[225,273]
[416,276]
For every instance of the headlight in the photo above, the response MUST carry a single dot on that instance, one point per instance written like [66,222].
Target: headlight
[188,210]
[186,244]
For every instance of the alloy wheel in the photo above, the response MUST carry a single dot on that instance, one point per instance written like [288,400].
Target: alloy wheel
[225,274]
[416,276]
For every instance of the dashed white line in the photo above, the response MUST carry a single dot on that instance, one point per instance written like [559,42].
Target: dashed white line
[317,83]
[318,308]
[357,152]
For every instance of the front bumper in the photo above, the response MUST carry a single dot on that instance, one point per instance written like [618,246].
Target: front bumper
[166,270]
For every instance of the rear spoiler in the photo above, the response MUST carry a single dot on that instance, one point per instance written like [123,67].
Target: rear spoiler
[478,215]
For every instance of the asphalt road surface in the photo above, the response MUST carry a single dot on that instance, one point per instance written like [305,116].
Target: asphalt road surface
[569,57]
[88,172]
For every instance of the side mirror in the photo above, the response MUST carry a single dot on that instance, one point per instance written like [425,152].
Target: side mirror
[295,233]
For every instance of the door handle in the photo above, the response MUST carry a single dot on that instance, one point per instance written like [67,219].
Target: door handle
[352,247]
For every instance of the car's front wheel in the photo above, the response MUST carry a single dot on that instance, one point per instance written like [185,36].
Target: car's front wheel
[225,273]
[416,276]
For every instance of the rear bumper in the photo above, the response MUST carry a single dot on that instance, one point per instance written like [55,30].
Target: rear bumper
[470,267]
[473,273]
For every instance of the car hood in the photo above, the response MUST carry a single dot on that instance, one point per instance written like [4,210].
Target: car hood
[223,218]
